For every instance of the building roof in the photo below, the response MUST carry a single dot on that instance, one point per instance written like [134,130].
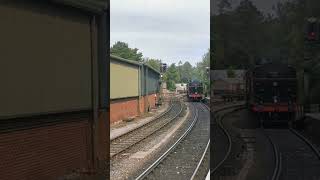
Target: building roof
[95,6]
[222,74]
[120,59]
[135,63]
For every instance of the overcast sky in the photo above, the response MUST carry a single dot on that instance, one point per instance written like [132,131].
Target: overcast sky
[170,30]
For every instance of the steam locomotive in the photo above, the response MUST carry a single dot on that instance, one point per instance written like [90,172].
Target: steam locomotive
[271,92]
[195,91]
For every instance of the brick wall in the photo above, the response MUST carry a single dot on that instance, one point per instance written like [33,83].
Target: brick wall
[103,132]
[45,152]
[152,100]
[147,100]
[124,108]
[142,105]
[121,109]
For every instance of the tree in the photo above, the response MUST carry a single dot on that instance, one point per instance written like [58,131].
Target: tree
[179,69]
[238,35]
[223,6]
[155,63]
[243,36]
[122,49]
[172,77]
[201,72]
[186,72]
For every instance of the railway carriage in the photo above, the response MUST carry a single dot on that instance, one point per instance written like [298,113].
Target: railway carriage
[271,92]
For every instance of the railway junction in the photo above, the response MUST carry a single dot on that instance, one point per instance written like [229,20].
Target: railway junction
[171,144]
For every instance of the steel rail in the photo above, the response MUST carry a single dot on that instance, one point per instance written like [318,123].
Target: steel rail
[277,154]
[314,149]
[153,119]
[200,162]
[278,162]
[147,135]
[165,154]
[204,153]
[220,124]
[208,176]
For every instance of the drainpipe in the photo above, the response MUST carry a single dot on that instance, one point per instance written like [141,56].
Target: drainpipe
[139,90]
[147,93]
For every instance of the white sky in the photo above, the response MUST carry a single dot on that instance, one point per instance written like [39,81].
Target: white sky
[170,30]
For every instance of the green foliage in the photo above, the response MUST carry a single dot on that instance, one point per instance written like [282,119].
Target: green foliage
[223,6]
[244,35]
[291,17]
[239,36]
[172,77]
[122,49]
[201,71]
[155,63]
[185,72]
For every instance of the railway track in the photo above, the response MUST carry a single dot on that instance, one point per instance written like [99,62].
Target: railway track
[277,158]
[186,156]
[184,160]
[295,156]
[124,142]
[203,165]
[222,143]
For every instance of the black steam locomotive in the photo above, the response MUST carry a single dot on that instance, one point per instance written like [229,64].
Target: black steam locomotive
[195,91]
[271,92]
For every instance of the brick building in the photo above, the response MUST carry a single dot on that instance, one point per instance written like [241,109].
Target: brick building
[134,88]
[54,94]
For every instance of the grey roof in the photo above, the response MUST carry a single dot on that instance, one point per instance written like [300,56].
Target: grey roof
[120,59]
[222,74]
[128,61]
